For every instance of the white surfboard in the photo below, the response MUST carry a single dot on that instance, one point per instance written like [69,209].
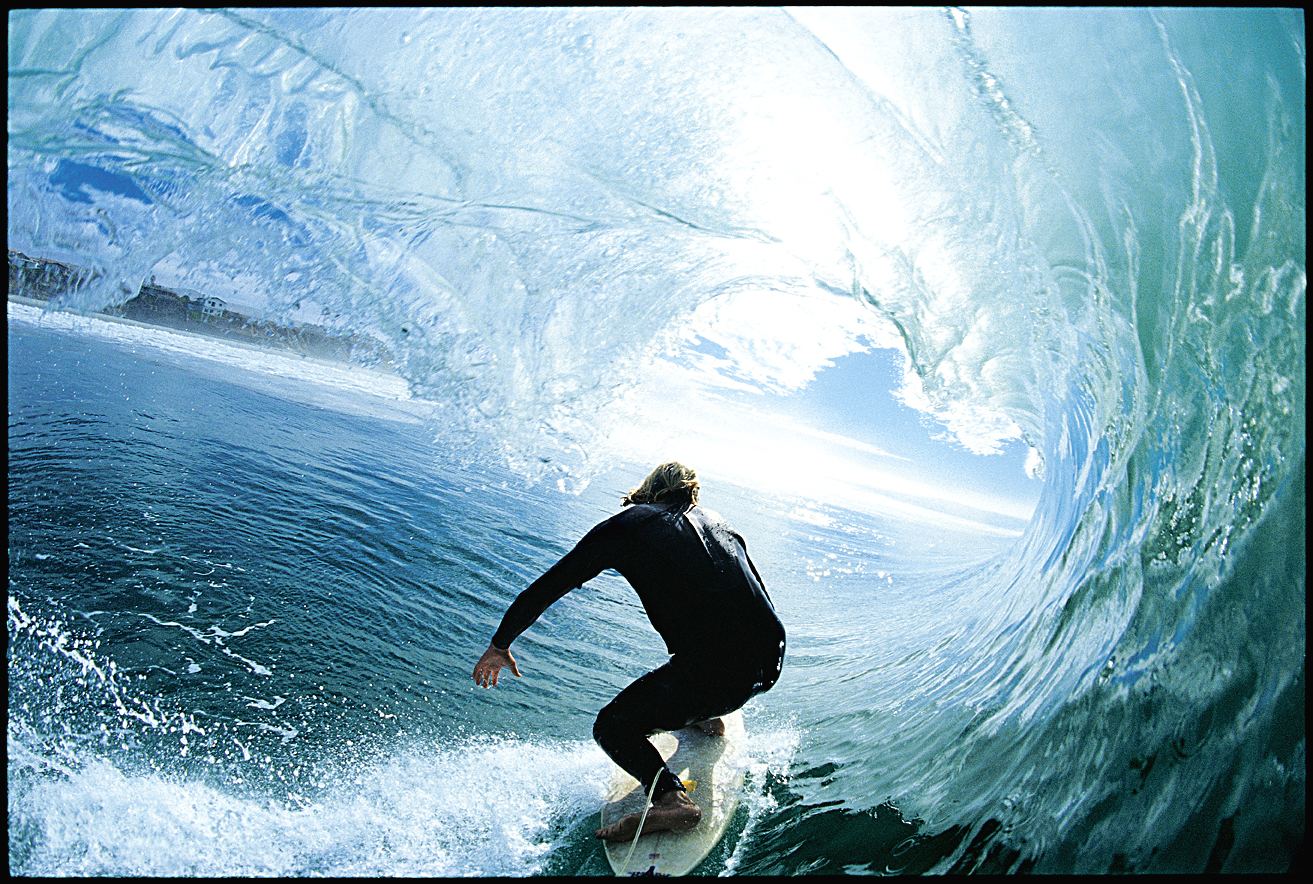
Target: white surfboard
[713,765]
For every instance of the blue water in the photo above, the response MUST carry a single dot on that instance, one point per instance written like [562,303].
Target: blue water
[246,589]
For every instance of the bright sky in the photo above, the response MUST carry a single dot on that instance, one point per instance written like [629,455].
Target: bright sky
[798,392]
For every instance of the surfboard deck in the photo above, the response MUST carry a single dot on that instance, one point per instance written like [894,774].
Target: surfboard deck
[713,763]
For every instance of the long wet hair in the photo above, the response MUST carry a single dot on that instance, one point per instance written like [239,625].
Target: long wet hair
[669,483]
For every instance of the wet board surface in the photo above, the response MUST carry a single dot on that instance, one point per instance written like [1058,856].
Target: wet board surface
[714,764]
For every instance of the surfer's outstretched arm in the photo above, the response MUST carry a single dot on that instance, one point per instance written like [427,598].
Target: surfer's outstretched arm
[490,664]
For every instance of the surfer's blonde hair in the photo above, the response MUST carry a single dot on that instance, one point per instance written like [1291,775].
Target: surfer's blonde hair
[669,483]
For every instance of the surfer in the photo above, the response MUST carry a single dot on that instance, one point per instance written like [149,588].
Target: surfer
[703,596]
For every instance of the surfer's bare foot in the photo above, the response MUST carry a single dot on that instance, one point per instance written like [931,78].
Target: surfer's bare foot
[673,810]
[713,726]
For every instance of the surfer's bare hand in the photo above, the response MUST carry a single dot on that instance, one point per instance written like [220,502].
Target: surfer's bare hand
[490,664]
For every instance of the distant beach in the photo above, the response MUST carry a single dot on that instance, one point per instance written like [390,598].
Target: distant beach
[53,283]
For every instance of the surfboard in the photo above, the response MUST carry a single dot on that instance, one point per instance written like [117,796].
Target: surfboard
[712,769]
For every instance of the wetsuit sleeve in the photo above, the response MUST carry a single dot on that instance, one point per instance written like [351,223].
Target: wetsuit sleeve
[581,564]
[743,544]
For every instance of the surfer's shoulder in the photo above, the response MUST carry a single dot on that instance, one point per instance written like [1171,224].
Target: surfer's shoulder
[639,512]
[627,517]
[709,515]
[642,513]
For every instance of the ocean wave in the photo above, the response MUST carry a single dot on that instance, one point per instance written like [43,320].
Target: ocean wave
[1084,229]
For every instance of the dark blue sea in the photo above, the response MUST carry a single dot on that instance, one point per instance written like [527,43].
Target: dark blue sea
[986,328]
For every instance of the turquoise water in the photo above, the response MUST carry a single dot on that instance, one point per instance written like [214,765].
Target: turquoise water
[246,590]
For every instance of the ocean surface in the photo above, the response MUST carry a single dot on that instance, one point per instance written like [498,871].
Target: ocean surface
[1043,573]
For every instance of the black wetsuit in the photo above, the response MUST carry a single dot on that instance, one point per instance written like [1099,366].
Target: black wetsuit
[705,598]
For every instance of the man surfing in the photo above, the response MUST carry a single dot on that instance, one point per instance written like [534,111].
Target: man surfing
[703,596]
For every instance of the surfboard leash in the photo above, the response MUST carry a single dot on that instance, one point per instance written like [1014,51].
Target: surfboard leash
[634,844]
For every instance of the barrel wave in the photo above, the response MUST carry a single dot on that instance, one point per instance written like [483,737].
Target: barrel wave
[1084,230]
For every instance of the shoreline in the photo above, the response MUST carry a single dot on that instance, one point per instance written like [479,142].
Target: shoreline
[43,283]
[335,363]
